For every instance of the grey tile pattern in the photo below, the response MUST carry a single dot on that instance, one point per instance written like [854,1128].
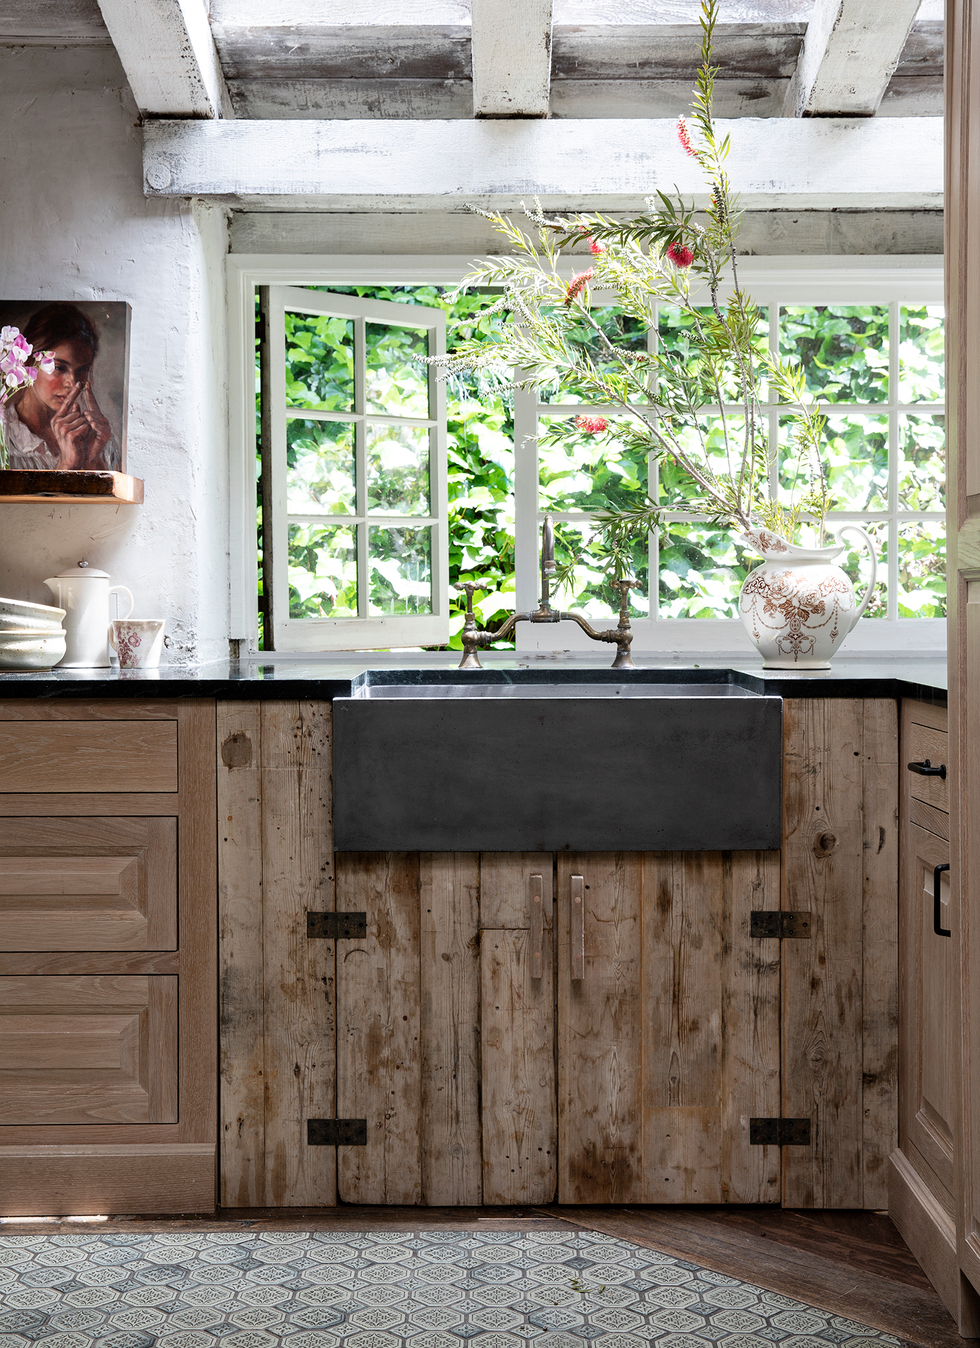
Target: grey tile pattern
[388,1289]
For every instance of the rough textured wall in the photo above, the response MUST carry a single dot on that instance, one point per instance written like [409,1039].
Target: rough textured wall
[74,224]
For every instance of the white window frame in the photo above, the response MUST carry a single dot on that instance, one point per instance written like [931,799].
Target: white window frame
[804,281]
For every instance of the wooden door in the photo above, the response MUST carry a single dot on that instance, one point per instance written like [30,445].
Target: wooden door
[962,223]
[668,1027]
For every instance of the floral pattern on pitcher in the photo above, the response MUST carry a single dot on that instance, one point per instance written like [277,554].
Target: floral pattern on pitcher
[798,606]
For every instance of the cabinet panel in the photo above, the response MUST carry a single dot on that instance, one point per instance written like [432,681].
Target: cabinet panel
[88,1050]
[63,756]
[88,884]
[669,1043]
[928,741]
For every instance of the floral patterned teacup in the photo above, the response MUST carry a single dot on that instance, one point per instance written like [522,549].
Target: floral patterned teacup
[137,641]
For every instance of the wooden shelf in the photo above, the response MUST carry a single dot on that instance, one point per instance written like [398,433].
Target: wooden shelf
[46,485]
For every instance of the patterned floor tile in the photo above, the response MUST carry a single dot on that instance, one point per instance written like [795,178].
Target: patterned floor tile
[388,1289]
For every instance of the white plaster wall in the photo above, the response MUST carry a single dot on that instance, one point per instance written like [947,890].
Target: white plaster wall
[74,224]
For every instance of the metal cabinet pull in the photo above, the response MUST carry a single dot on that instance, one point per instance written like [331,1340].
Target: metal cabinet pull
[937,901]
[925,769]
[577,926]
[537,926]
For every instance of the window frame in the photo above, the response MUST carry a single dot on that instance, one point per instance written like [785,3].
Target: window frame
[787,280]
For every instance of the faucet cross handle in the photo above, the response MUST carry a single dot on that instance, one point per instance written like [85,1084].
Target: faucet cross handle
[624,587]
[471,586]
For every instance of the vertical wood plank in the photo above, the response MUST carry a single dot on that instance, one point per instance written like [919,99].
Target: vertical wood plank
[682,1030]
[242,1062]
[600,1095]
[750,1012]
[299,1005]
[449,893]
[197,926]
[823,871]
[880,1075]
[520,1124]
[379,1029]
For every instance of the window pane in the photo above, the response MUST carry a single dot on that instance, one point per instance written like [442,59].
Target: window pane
[322,572]
[855,454]
[398,470]
[320,468]
[856,562]
[718,441]
[922,570]
[589,591]
[396,383]
[320,362]
[922,372]
[701,571]
[583,471]
[676,327]
[400,570]
[922,462]
[843,348]
[623,331]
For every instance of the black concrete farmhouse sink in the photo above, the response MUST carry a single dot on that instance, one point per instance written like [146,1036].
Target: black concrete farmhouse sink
[528,766]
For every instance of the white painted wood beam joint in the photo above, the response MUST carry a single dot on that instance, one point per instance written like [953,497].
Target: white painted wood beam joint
[169,57]
[849,54]
[511,41]
[779,163]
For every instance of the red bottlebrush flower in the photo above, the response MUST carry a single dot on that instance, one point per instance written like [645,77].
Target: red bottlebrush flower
[596,248]
[680,255]
[577,284]
[591,425]
[684,136]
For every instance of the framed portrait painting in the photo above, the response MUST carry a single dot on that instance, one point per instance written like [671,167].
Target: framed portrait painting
[73,417]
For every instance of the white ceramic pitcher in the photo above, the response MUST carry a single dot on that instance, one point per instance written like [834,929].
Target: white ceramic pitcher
[83,592]
[798,606]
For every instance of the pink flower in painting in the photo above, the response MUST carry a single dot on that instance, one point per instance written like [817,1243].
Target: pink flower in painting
[684,136]
[577,284]
[591,425]
[680,255]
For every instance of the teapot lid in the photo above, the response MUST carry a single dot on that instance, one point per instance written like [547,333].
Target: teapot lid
[83,569]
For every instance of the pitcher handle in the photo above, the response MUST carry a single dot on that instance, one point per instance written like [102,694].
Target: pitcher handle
[132,602]
[856,529]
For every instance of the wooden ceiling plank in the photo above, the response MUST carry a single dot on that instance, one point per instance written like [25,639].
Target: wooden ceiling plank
[850,52]
[511,58]
[169,57]
[893,162]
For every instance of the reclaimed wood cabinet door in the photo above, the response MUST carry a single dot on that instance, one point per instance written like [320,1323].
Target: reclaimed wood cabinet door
[668,1027]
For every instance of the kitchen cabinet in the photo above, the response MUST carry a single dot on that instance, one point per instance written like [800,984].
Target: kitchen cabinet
[415,1028]
[922,1191]
[107,952]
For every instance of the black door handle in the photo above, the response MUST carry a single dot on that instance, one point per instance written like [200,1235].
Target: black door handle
[925,769]
[937,901]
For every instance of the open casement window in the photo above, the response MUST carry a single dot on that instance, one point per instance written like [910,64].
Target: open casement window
[355,551]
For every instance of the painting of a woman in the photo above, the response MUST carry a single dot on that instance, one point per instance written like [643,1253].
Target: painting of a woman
[56,422]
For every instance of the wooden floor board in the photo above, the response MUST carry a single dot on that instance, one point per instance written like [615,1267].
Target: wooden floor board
[851,1263]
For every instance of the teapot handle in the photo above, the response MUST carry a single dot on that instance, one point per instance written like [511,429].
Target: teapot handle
[114,588]
[856,529]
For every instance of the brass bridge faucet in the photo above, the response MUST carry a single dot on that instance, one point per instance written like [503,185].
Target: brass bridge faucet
[473,639]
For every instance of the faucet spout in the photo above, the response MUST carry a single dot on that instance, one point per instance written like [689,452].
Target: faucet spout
[547,562]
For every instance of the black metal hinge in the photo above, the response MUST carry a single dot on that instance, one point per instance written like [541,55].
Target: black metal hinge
[788,926]
[336,1132]
[336,926]
[779,1132]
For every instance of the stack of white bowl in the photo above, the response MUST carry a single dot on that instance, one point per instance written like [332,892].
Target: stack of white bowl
[31,635]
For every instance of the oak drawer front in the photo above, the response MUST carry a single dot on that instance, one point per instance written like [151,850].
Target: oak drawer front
[88,756]
[922,742]
[77,1050]
[88,883]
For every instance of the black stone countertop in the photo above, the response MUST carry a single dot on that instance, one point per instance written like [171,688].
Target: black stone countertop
[340,675]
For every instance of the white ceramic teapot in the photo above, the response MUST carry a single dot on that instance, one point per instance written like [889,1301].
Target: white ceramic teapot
[83,592]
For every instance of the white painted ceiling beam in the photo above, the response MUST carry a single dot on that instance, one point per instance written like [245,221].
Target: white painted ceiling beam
[511,43]
[849,54]
[894,162]
[169,57]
